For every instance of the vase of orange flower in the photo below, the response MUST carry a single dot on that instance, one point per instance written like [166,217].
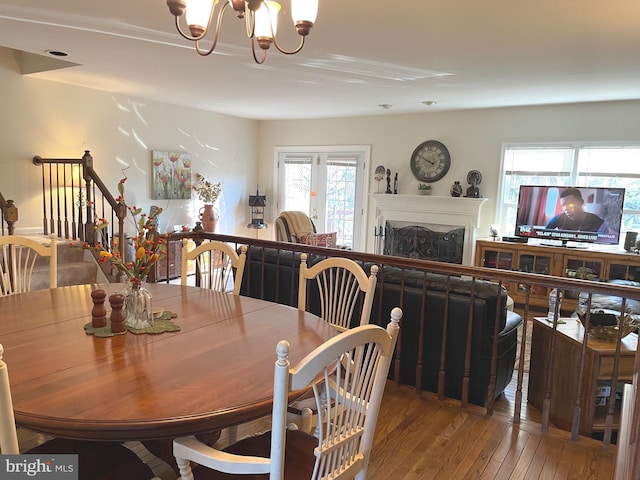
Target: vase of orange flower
[149,247]
[138,305]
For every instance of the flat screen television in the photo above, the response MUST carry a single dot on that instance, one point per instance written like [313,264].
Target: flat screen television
[570,214]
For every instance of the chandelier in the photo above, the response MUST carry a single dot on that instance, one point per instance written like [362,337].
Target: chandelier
[261,20]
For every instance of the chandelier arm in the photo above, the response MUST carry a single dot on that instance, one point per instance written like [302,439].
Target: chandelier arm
[253,50]
[184,35]
[292,52]
[275,41]
[204,53]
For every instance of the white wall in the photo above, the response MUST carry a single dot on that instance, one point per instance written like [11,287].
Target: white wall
[54,120]
[474,138]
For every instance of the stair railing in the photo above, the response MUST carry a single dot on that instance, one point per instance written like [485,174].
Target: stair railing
[8,216]
[74,197]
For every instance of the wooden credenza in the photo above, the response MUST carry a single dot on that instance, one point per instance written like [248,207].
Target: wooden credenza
[597,374]
[589,264]
[168,267]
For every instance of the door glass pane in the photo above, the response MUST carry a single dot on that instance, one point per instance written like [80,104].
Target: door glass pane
[340,200]
[297,178]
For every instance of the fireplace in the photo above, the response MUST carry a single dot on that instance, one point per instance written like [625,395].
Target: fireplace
[427,242]
[433,217]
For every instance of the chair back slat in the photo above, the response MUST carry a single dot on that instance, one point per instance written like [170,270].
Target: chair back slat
[216,264]
[340,282]
[18,256]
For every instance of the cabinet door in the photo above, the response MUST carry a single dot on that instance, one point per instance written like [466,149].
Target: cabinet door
[533,262]
[619,271]
[168,267]
[498,259]
[491,255]
[583,268]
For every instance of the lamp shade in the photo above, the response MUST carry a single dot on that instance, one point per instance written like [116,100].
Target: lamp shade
[304,11]
[198,12]
[267,19]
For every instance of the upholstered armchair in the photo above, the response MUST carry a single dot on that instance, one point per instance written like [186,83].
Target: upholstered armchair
[291,226]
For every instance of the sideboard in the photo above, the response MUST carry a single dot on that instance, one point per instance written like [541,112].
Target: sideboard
[597,374]
[588,264]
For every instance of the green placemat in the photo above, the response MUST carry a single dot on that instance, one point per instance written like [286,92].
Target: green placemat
[161,324]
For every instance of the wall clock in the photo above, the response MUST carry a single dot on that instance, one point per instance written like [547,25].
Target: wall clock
[430,161]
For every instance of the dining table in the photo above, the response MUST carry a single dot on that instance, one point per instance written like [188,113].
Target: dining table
[215,371]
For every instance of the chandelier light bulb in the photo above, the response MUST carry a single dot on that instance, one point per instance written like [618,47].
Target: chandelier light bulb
[260,18]
[198,14]
[304,14]
[267,21]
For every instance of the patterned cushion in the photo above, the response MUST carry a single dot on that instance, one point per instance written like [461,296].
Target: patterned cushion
[320,239]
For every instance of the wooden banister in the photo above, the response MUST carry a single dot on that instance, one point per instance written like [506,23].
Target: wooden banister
[8,214]
[72,192]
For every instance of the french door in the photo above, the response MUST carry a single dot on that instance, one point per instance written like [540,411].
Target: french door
[329,186]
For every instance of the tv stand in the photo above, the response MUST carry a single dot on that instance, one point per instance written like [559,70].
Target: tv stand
[589,264]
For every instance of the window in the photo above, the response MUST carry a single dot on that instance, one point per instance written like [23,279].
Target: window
[571,164]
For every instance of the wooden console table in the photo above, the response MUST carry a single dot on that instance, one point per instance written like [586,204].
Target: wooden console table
[597,373]
[588,264]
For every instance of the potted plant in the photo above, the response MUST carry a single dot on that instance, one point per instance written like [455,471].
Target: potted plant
[208,192]
[424,189]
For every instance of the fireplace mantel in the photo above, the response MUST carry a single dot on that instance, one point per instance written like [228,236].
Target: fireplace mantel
[432,210]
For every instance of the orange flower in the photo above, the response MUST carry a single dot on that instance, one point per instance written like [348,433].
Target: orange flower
[149,247]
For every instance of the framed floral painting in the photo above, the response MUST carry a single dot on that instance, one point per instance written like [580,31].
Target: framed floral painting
[171,175]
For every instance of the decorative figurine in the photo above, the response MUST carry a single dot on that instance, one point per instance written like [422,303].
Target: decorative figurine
[395,183]
[379,175]
[474,178]
[494,232]
[456,189]
[388,181]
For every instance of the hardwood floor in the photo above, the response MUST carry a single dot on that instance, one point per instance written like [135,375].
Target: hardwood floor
[419,437]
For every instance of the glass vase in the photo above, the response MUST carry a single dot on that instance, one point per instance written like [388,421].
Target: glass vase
[138,308]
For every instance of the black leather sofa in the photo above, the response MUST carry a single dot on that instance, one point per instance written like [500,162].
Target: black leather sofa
[273,276]
[487,300]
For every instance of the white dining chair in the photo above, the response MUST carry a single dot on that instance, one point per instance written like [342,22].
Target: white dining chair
[340,282]
[348,401]
[18,256]
[96,460]
[215,265]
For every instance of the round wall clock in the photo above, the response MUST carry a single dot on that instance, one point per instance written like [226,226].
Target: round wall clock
[430,161]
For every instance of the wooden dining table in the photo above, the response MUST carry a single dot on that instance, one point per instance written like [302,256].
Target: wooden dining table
[216,371]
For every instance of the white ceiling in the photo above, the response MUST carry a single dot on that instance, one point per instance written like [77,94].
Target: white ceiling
[461,54]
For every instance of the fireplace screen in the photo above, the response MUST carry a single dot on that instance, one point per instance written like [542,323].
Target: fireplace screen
[424,242]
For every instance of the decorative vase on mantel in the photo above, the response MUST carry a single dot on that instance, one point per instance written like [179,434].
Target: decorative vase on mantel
[138,305]
[209,218]
[456,189]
